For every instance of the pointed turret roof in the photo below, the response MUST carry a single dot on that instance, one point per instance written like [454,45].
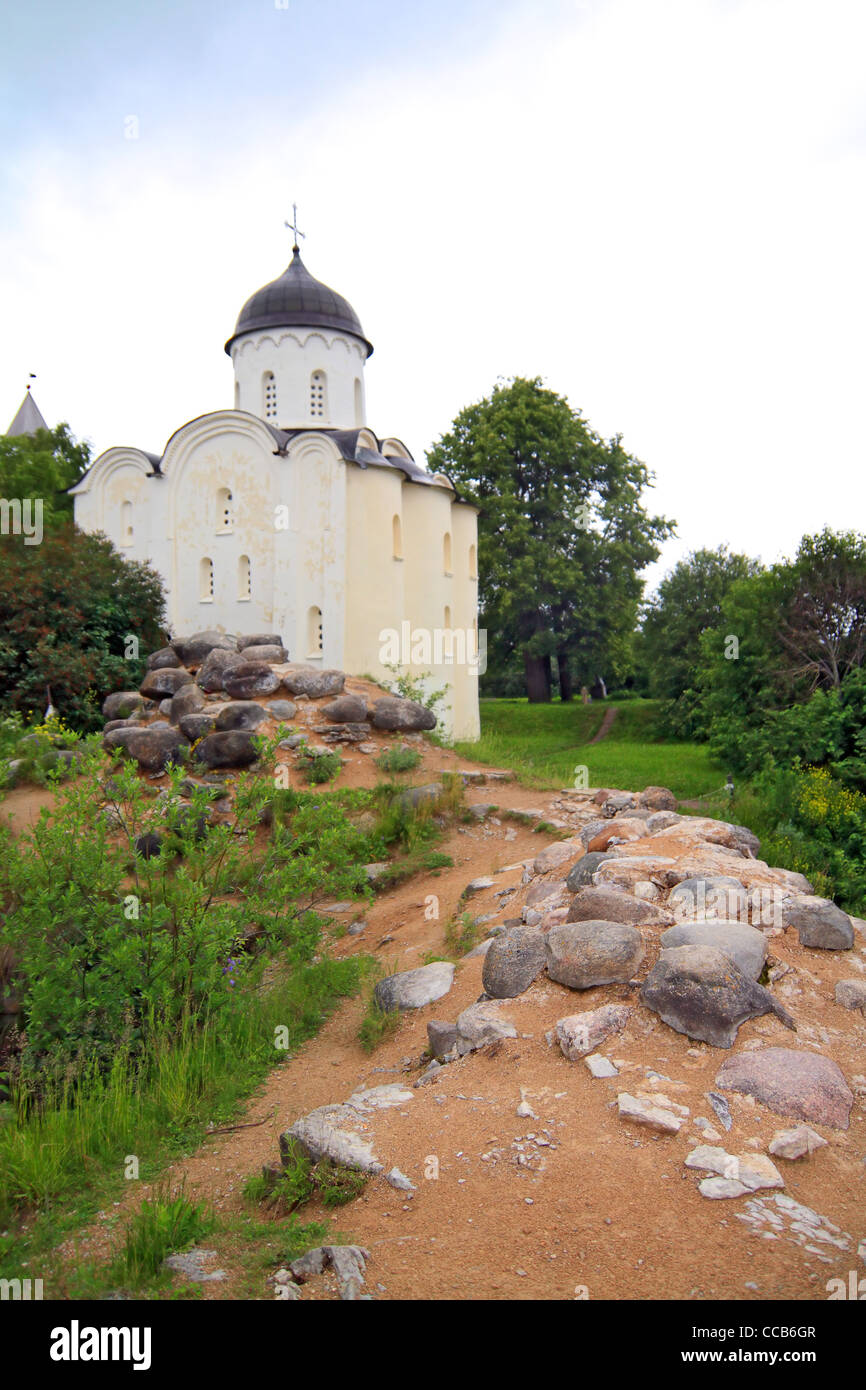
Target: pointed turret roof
[29,418]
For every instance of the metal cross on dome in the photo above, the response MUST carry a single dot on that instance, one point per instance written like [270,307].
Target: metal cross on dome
[293,227]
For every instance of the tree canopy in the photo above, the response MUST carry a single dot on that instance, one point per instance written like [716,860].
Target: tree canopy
[563,534]
[43,465]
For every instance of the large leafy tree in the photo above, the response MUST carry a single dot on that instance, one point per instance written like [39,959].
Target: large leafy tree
[563,535]
[688,602]
[42,466]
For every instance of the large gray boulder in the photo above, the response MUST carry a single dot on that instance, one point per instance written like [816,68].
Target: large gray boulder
[412,989]
[240,714]
[188,700]
[799,1085]
[166,656]
[193,650]
[699,991]
[584,871]
[330,1132]
[233,748]
[851,994]
[393,713]
[249,679]
[346,709]
[122,704]
[313,682]
[196,726]
[480,1025]
[259,639]
[582,955]
[166,680]
[744,945]
[513,961]
[579,1034]
[819,923]
[276,654]
[215,667]
[154,749]
[657,799]
[608,905]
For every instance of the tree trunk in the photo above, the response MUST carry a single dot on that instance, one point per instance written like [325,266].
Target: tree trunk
[566,688]
[537,670]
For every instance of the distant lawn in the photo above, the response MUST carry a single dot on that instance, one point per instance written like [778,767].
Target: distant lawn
[545,743]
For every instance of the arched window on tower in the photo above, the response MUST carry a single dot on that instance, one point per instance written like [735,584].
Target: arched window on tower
[446,552]
[245,582]
[314,632]
[397,535]
[269,391]
[473,562]
[225,519]
[126,528]
[205,580]
[318,395]
[359,402]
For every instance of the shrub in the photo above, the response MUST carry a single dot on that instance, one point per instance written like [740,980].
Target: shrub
[319,767]
[168,1223]
[398,760]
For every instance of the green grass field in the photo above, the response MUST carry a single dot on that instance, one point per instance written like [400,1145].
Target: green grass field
[545,744]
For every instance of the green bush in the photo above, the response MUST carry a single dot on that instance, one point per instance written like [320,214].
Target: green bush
[398,760]
[319,767]
[168,1223]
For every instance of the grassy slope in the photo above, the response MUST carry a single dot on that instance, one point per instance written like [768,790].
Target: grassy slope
[546,743]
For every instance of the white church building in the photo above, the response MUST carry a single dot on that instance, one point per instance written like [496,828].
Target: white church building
[287,514]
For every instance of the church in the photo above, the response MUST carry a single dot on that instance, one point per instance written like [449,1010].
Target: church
[288,514]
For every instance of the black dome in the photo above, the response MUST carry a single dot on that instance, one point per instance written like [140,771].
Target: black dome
[297,300]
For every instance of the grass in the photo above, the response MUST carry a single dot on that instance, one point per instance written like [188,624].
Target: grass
[377,1025]
[302,1180]
[398,760]
[547,745]
[461,934]
[168,1223]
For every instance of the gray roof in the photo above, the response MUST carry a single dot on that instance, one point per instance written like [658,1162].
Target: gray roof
[296,300]
[29,418]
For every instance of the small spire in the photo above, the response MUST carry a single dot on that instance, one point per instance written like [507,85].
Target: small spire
[294,229]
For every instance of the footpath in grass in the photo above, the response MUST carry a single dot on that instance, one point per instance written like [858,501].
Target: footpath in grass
[546,745]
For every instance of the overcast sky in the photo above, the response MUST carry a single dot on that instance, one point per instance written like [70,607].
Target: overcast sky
[660,208]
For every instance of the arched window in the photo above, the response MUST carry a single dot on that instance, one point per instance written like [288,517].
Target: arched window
[314,632]
[473,562]
[269,390]
[359,402]
[244,579]
[224,509]
[126,529]
[397,534]
[318,395]
[205,580]
[446,551]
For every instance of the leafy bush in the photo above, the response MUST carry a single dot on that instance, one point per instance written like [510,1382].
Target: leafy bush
[319,767]
[398,760]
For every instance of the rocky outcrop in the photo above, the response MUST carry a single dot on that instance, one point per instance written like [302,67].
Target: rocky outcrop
[744,945]
[798,1085]
[310,681]
[513,961]
[393,713]
[819,923]
[412,989]
[166,680]
[582,955]
[699,991]
[250,678]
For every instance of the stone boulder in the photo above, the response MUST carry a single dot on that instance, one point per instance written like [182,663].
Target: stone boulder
[154,749]
[413,797]
[166,680]
[166,656]
[608,905]
[616,802]
[798,1085]
[480,1025]
[346,709]
[554,856]
[276,654]
[513,961]
[240,714]
[590,830]
[618,831]
[193,650]
[313,682]
[699,991]
[196,726]
[442,1037]
[412,989]
[281,709]
[232,748]
[851,994]
[661,820]
[122,704]
[549,891]
[579,1034]
[792,1144]
[819,923]
[744,945]
[329,1132]
[719,895]
[584,871]
[188,700]
[259,639]
[658,799]
[582,955]
[215,667]
[393,713]
[627,871]
[250,678]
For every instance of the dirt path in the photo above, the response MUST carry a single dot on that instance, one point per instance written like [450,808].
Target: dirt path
[604,730]
[538,1207]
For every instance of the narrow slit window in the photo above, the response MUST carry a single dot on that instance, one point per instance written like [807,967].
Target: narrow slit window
[397,537]
[126,527]
[225,510]
[315,641]
[205,579]
[245,583]
[446,552]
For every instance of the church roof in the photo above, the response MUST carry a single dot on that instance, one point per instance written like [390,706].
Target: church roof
[28,419]
[297,300]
